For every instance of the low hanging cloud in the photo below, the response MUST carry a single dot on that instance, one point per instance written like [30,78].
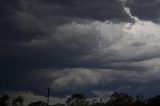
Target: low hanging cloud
[102,94]
[99,45]
[106,80]
[77,77]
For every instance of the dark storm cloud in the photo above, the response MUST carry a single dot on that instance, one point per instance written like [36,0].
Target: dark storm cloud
[70,34]
[145,9]
[73,45]
[26,20]
[91,9]
[14,25]
[88,81]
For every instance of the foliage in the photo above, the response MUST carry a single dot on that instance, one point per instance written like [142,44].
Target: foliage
[155,101]
[139,101]
[120,99]
[18,101]
[38,103]
[3,100]
[116,99]
[77,100]
[59,104]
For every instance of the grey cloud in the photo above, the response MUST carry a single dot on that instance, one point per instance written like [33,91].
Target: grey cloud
[91,44]
[87,80]
[145,9]
[32,19]
[101,10]
[60,34]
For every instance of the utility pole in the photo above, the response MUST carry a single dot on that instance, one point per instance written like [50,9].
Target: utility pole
[101,101]
[48,97]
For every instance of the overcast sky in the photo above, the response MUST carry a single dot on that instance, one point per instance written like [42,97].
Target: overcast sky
[93,47]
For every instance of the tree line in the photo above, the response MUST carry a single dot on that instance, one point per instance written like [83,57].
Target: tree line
[116,99]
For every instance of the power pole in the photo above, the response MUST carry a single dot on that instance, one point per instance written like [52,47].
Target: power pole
[101,101]
[48,97]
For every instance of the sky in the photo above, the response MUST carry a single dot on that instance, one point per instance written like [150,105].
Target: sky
[93,47]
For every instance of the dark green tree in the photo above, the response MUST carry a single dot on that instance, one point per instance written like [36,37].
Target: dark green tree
[154,101]
[77,100]
[59,104]
[18,101]
[38,103]
[139,101]
[3,100]
[120,99]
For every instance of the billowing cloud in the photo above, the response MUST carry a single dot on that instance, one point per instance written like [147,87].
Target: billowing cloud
[80,46]
[145,10]
[98,81]
[102,94]
[99,45]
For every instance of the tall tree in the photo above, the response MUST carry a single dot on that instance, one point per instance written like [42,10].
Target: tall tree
[154,101]
[3,100]
[77,100]
[120,99]
[139,101]
[38,103]
[18,101]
